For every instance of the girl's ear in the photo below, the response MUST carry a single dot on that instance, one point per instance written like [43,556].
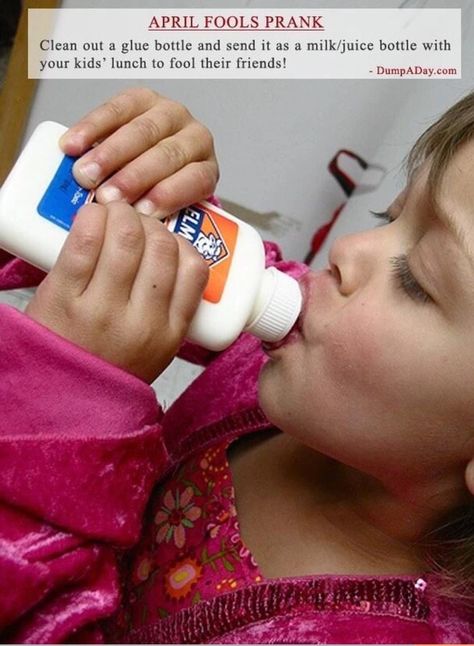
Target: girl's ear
[469,475]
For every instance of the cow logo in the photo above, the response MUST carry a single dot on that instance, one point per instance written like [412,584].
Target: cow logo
[199,228]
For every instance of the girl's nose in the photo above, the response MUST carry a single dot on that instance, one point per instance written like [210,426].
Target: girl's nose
[354,259]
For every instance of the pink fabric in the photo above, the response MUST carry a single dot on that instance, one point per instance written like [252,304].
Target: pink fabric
[16,273]
[192,549]
[82,446]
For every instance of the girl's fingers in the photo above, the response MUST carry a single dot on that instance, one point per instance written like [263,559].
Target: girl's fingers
[191,280]
[155,280]
[120,256]
[101,121]
[80,253]
[156,162]
[194,182]
[127,143]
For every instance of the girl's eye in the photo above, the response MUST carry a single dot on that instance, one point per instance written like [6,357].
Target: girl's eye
[400,268]
[382,215]
[405,279]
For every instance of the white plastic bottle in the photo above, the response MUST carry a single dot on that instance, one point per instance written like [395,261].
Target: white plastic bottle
[38,201]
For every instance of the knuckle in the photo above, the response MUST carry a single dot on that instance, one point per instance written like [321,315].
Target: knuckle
[163,244]
[129,237]
[185,113]
[84,243]
[129,179]
[175,153]
[216,173]
[206,138]
[147,129]
[141,93]
[200,271]
[194,264]
[88,124]
[118,107]
[74,311]
[207,176]
[163,195]
[46,292]
[106,152]
[179,110]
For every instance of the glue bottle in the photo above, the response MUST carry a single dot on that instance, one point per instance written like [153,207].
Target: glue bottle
[40,198]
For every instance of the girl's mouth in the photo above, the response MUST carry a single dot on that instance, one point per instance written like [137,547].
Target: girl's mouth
[293,335]
[318,289]
[296,332]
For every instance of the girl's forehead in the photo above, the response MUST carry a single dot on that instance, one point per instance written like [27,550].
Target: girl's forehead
[450,202]
[454,185]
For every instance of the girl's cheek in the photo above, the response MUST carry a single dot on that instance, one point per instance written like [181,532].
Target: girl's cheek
[355,347]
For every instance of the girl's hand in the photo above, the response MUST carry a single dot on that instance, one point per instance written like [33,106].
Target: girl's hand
[124,288]
[144,149]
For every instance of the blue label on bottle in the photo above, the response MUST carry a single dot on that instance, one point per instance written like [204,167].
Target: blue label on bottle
[64,196]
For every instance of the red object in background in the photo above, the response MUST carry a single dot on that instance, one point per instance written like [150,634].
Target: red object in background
[348,185]
[320,235]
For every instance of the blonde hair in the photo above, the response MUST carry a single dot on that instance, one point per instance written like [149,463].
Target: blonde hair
[451,545]
[441,140]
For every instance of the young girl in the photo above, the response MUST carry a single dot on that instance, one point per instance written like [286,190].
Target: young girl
[317,491]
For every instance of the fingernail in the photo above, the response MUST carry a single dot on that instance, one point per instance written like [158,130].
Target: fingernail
[145,206]
[90,171]
[110,193]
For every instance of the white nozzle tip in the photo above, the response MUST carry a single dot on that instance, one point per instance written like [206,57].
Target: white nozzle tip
[280,305]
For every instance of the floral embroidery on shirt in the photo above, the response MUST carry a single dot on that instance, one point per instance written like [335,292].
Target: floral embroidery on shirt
[177,513]
[143,569]
[181,577]
[192,549]
[210,469]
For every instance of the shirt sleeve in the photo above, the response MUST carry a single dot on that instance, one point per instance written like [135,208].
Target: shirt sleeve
[16,273]
[80,449]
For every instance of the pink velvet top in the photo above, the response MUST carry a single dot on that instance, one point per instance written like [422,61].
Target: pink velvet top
[118,522]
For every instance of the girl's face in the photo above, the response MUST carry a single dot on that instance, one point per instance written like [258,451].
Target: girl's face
[381,377]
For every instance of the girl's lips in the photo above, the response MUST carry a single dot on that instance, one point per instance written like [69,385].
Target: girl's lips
[293,335]
[316,287]
[296,331]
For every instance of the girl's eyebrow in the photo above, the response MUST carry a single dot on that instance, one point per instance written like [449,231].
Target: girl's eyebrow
[452,223]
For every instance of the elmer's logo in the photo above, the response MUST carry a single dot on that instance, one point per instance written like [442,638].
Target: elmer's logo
[199,228]
[214,236]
